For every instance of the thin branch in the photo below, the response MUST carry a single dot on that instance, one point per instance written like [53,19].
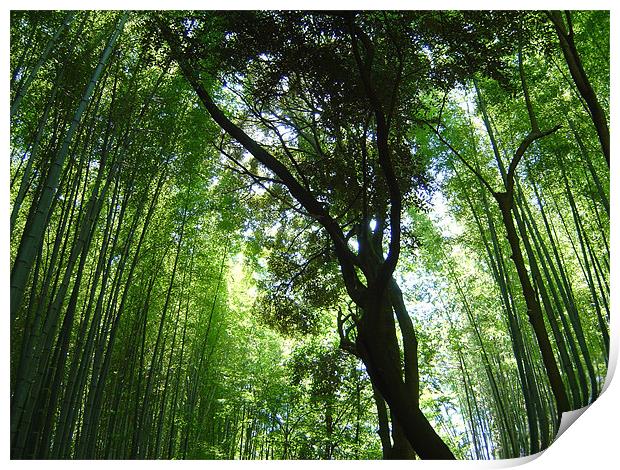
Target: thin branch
[303,268]
[272,125]
[529,139]
[399,73]
[526,94]
[345,343]
[364,149]
[288,152]
[443,104]
[489,127]
[259,180]
[569,21]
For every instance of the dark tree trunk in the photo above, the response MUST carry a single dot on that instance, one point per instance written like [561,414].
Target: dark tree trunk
[534,311]
[377,345]
[573,61]
[384,424]
[401,450]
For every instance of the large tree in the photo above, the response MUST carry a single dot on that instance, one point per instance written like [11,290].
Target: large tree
[327,103]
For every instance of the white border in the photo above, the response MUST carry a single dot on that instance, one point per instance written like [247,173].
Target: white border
[591,443]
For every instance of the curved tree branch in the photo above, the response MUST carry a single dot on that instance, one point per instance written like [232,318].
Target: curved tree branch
[346,258]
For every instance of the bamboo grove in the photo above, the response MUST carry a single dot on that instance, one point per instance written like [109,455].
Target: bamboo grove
[303,235]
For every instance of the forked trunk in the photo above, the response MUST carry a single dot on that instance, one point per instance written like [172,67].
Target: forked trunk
[378,348]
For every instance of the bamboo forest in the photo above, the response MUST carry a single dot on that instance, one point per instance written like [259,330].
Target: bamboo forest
[306,234]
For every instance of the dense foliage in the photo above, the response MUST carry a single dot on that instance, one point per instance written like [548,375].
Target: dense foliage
[303,235]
